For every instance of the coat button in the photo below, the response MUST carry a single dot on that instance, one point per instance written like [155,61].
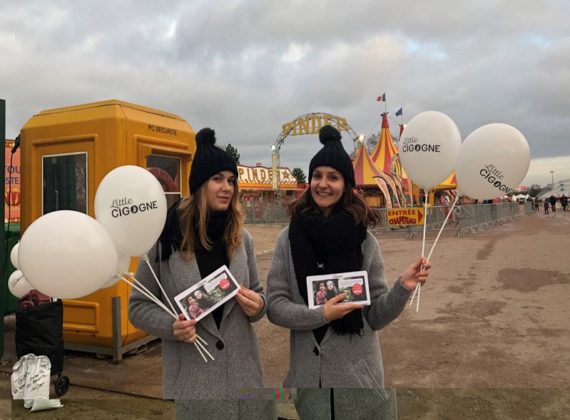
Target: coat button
[316,351]
[219,345]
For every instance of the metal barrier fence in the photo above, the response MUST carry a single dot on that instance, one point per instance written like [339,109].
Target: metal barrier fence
[266,214]
[470,218]
[465,218]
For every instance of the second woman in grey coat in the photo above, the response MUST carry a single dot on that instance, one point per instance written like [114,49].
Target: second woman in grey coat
[335,346]
[202,233]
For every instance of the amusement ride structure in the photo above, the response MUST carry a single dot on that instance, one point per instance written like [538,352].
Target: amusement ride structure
[306,124]
[379,175]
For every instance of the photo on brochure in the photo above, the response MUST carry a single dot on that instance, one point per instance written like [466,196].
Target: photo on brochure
[324,287]
[209,293]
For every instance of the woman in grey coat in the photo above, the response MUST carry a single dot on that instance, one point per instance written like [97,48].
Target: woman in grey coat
[334,346]
[201,234]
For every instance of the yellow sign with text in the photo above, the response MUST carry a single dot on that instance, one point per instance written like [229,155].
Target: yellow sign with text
[406,216]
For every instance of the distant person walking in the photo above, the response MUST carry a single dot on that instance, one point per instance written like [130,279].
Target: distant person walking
[564,202]
[552,200]
[546,206]
[536,204]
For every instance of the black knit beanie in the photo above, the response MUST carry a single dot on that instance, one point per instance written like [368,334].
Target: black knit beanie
[208,160]
[332,154]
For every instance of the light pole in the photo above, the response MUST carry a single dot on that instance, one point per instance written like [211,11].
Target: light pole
[552,174]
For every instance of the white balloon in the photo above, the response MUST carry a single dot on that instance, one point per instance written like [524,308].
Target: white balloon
[428,148]
[130,203]
[14,256]
[18,285]
[493,160]
[67,254]
[124,263]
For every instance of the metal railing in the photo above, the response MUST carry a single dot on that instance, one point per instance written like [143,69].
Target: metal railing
[268,213]
[470,218]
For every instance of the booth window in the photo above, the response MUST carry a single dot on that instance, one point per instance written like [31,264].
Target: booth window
[64,182]
[167,170]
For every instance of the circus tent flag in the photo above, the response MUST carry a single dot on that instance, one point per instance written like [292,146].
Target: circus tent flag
[401,130]
[399,112]
[381,98]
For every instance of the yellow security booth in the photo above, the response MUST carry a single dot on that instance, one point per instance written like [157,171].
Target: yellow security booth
[66,152]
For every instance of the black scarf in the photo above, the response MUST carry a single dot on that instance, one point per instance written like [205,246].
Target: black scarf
[171,237]
[210,260]
[327,245]
[207,260]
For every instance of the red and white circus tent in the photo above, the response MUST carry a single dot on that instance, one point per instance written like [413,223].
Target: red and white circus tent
[368,176]
[385,157]
[385,149]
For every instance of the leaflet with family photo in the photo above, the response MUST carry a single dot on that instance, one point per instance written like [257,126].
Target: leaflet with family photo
[324,287]
[209,293]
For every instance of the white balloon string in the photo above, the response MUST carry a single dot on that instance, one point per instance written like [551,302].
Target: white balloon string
[145,258]
[149,295]
[199,344]
[442,226]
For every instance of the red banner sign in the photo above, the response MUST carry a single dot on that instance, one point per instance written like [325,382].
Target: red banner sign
[11,184]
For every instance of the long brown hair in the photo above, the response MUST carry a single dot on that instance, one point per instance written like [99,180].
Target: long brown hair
[351,202]
[193,214]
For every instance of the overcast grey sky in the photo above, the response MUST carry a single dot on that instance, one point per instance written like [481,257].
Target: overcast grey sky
[246,67]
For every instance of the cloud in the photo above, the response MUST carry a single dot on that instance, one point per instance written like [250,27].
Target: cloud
[247,67]
[539,171]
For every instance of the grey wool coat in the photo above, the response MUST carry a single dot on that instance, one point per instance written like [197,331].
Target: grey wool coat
[339,361]
[237,363]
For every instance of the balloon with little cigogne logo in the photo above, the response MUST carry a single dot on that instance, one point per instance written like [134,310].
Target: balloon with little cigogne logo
[130,203]
[492,161]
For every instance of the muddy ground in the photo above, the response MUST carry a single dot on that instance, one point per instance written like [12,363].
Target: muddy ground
[491,339]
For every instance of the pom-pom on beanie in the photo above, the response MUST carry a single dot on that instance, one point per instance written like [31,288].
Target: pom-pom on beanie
[332,154]
[208,160]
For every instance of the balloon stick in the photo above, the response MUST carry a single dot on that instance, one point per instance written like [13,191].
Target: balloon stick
[138,285]
[443,225]
[145,259]
[145,292]
[425,224]
[418,285]
[202,340]
[414,294]
[199,345]
[200,351]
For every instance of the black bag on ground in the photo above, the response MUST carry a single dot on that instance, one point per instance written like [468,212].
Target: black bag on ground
[39,328]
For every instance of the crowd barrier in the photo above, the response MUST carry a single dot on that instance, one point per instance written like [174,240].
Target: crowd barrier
[266,213]
[470,218]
